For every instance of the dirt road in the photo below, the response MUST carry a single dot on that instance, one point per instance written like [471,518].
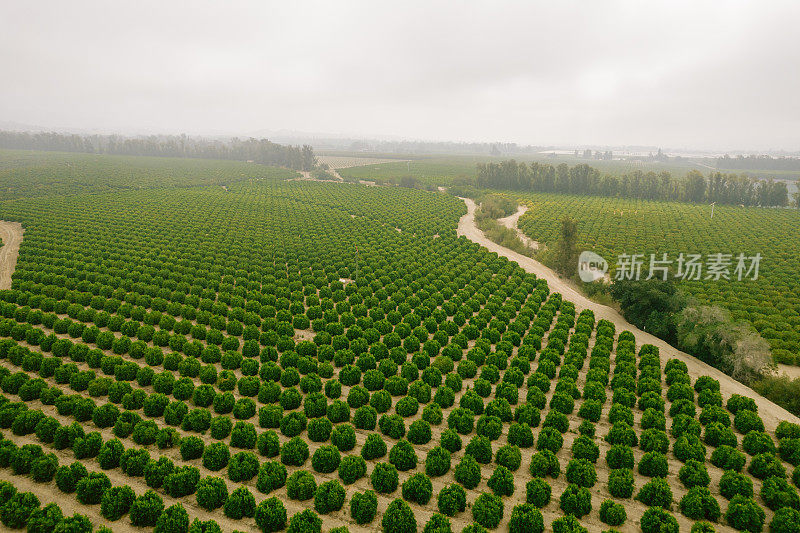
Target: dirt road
[511,222]
[11,234]
[771,413]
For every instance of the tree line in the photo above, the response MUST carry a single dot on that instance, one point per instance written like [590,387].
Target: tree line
[257,150]
[586,180]
[758,162]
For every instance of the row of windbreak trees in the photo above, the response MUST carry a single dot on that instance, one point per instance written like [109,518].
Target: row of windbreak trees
[257,150]
[584,179]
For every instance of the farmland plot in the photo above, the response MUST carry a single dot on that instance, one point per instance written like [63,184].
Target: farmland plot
[189,353]
[612,227]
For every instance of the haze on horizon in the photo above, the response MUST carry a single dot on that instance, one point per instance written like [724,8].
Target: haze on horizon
[704,75]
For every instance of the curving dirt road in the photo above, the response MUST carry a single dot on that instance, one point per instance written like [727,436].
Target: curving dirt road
[771,413]
[11,234]
[511,222]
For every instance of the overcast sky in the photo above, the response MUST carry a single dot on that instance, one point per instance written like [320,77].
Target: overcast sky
[717,75]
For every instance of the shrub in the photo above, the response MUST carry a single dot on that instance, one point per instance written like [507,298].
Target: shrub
[585,448]
[271,476]
[366,417]
[556,420]
[240,504]
[305,521]
[268,444]
[211,493]
[44,520]
[192,448]
[744,513]
[352,468]
[243,466]
[452,500]
[438,524]
[16,512]
[293,424]
[520,435]
[746,421]
[732,483]
[329,497]
[270,515]
[619,456]
[343,437]
[363,506]
[728,458]
[294,452]
[786,430]
[789,450]
[403,456]
[216,456]
[656,492]
[468,472]
[544,464]
[502,481]
[116,502]
[146,509]
[657,520]
[716,434]
[398,518]
[526,518]
[374,447]
[384,478]
[756,442]
[418,488]
[549,439]
[488,510]
[437,463]
[509,456]
[653,464]
[776,493]
[785,520]
[568,524]
[419,432]
[44,468]
[576,500]
[182,481]
[538,492]
[694,474]
[621,433]
[244,436]
[91,487]
[581,472]
[700,504]
[689,447]
[765,465]
[156,471]
[590,410]
[612,513]
[301,485]
[326,459]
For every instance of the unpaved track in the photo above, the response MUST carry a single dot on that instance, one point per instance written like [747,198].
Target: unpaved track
[11,233]
[511,222]
[771,413]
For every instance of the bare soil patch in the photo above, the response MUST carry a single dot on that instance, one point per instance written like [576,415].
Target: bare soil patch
[11,234]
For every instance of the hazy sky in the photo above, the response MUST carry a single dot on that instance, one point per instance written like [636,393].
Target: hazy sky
[719,75]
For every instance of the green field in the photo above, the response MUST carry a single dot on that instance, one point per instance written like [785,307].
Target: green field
[612,227]
[181,357]
[445,170]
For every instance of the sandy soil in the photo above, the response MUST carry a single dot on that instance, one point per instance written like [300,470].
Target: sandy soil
[511,223]
[771,413]
[11,235]
[791,371]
